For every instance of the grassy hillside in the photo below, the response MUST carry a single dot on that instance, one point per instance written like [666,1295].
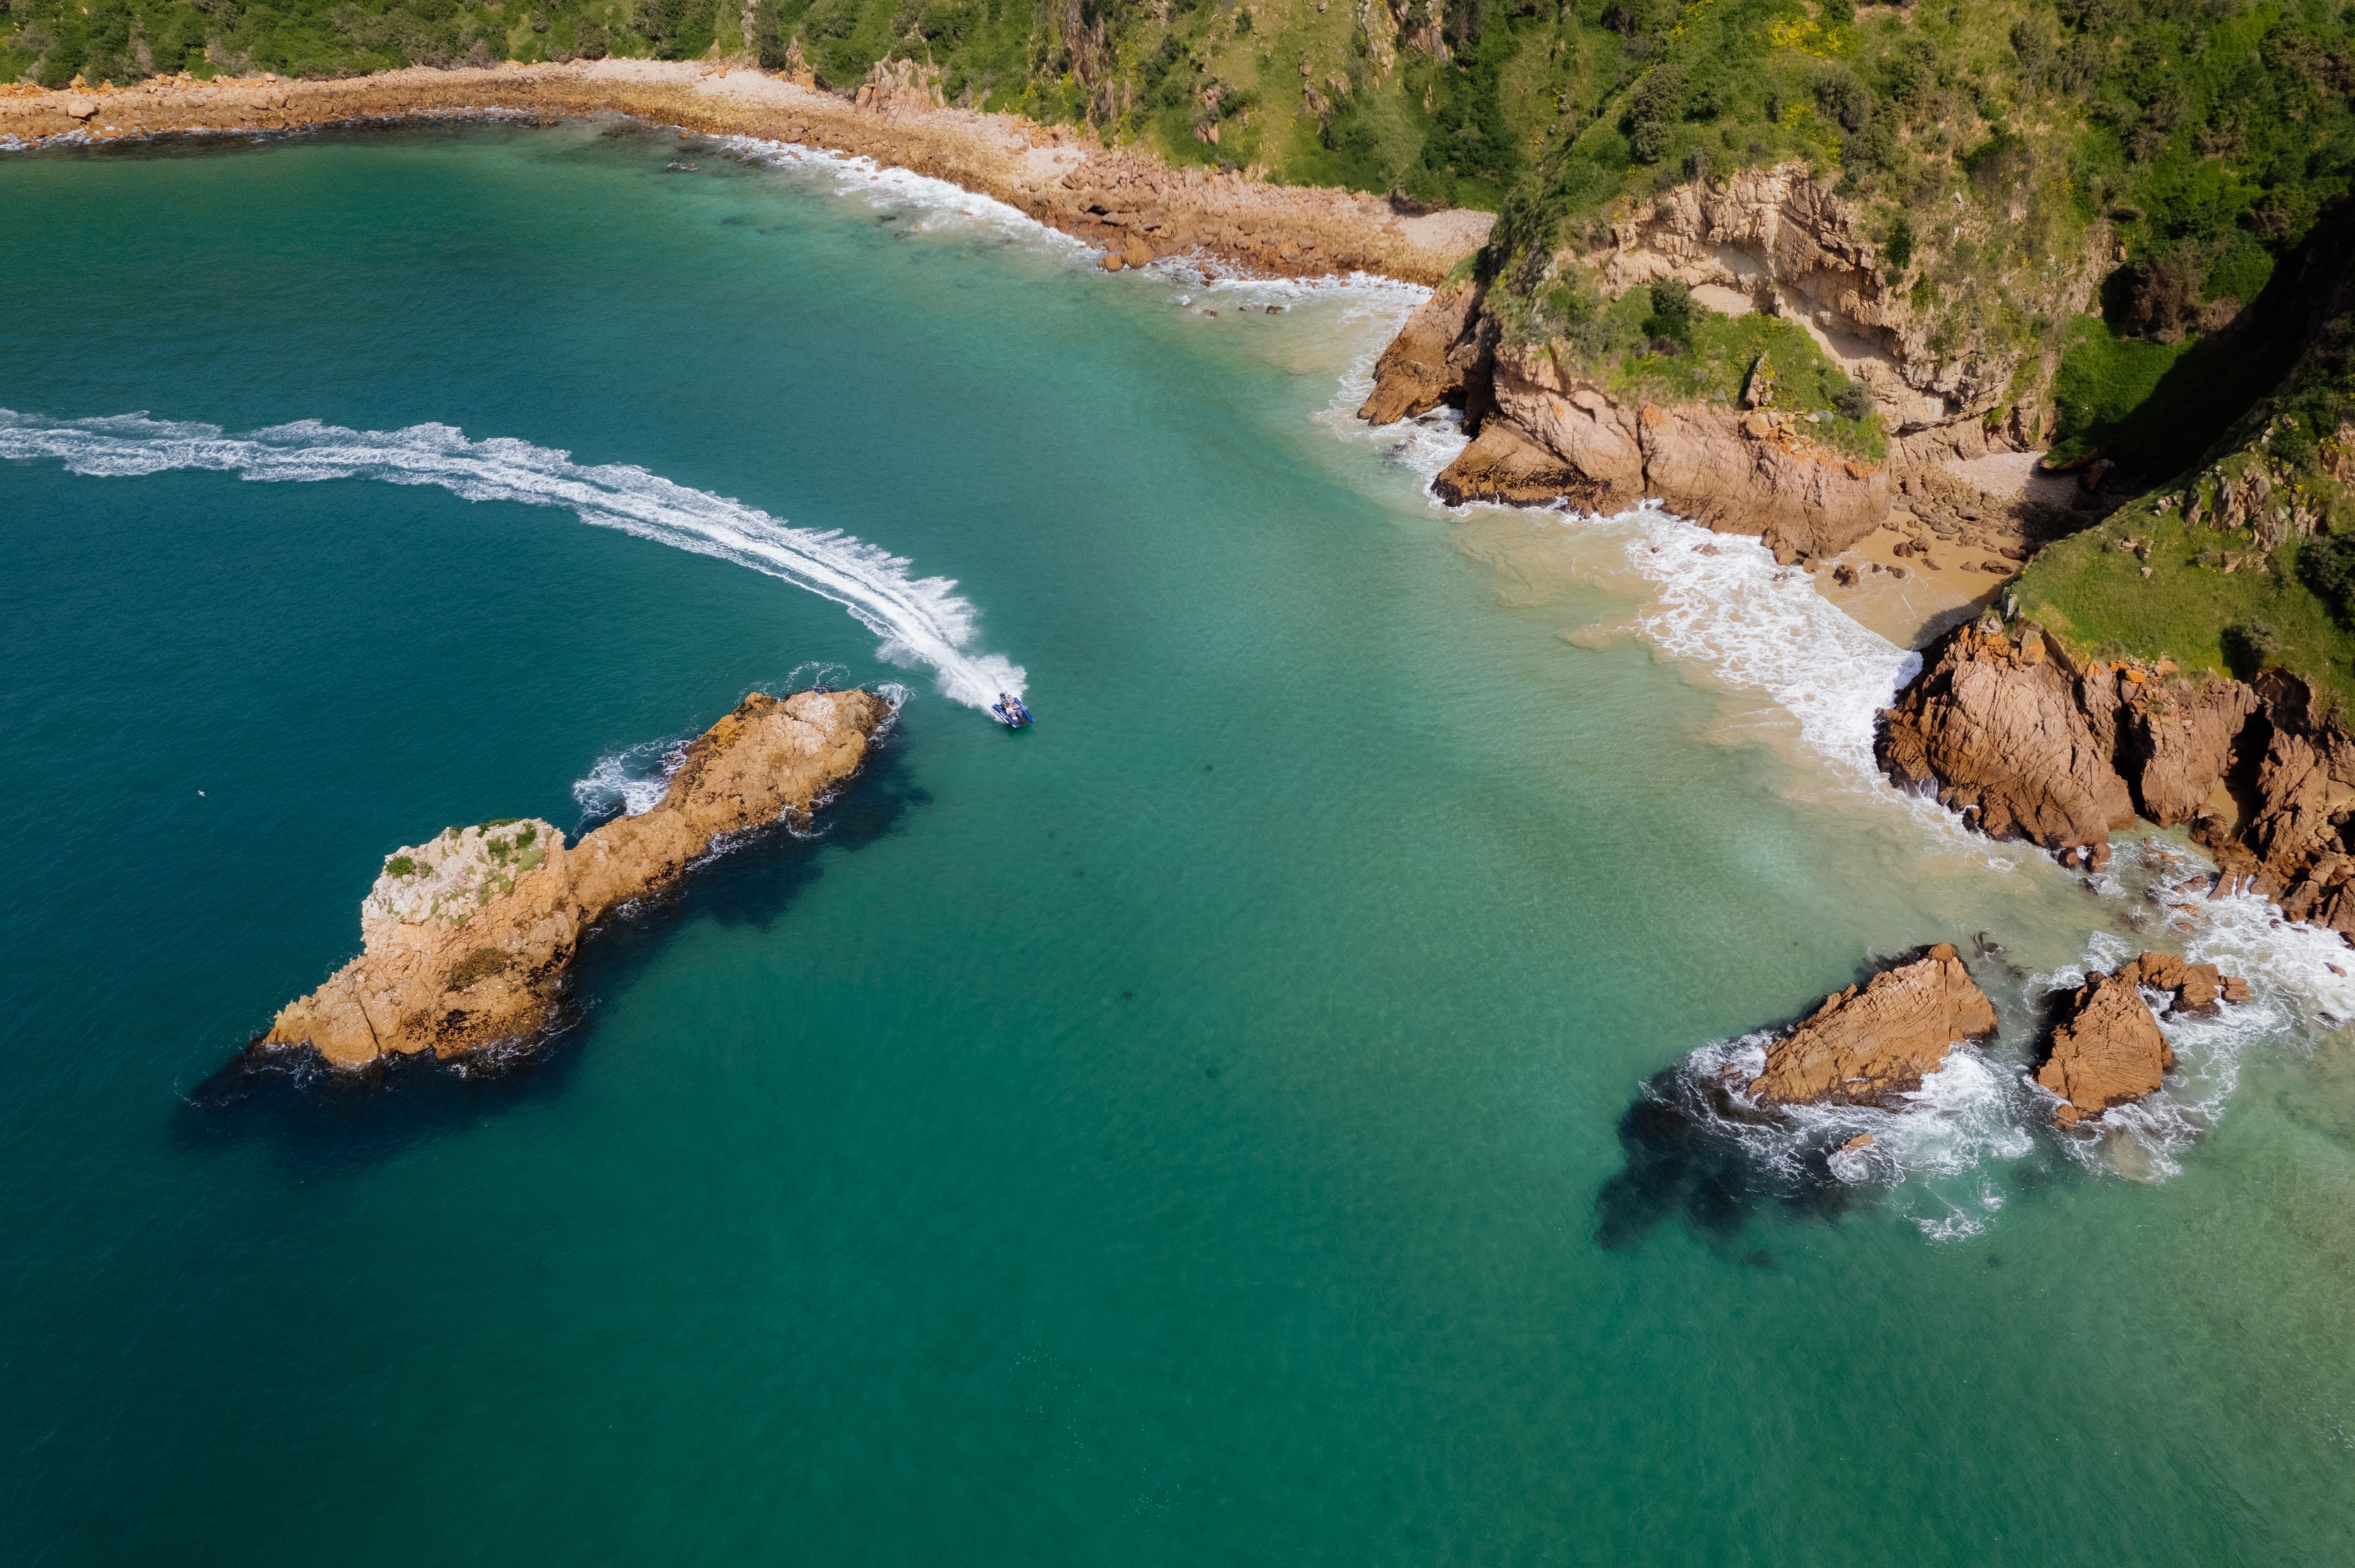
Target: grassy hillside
[2247,557]
[1445,102]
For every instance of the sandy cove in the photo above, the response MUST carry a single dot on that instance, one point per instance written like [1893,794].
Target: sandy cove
[1926,568]
[1126,202]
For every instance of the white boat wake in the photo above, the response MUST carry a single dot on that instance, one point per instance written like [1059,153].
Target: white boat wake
[921,620]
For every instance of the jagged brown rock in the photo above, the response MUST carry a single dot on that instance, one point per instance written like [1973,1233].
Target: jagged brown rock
[1426,364]
[2029,743]
[2002,732]
[2107,1048]
[1502,465]
[1543,438]
[1867,1045]
[467,938]
[2180,747]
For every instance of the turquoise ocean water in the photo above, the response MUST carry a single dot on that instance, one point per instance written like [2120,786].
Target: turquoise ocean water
[1210,1127]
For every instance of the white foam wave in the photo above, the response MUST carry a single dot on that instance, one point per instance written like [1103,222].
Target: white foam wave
[1930,1147]
[938,203]
[1722,603]
[920,620]
[631,780]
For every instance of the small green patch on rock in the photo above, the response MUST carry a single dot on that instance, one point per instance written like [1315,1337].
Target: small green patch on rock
[458,870]
[479,965]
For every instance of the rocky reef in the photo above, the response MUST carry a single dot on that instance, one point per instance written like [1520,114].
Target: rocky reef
[2028,742]
[1868,1044]
[467,938]
[2105,1048]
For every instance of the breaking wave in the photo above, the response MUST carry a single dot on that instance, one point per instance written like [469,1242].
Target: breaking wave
[920,620]
[630,781]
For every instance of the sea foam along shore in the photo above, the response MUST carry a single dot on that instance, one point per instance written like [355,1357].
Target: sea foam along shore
[1123,200]
[1720,606]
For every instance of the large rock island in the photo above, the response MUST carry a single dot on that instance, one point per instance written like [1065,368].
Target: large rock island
[468,936]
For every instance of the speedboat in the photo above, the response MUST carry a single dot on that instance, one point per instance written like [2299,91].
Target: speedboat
[1008,710]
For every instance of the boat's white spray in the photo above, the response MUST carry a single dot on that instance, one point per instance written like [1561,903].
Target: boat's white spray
[921,620]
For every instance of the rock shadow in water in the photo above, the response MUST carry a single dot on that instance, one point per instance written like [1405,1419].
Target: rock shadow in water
[321,1120]
[1686,1159]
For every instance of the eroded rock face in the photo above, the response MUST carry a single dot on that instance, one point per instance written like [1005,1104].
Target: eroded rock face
[2179,746]
[1552,437]
[1426,364]
[467,938]
[2027,744]
[2005,733]
[1505,466]
[1867,1045]
[1781,240]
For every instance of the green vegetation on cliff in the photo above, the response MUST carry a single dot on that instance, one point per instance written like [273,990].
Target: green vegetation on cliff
[2246,556]
[2208,132]
[1656,343]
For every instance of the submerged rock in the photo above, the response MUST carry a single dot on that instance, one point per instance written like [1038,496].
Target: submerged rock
[1867,1045]
[467,938]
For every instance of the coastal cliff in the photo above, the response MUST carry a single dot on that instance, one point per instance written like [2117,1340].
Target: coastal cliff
[1735,347]
[2027,742]
[467,938]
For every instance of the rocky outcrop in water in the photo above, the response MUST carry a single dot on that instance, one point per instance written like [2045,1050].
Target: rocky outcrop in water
[2027,742]
[1430,359]
[467,937]
[2107,1049]
[1866,1046]
[1757,472]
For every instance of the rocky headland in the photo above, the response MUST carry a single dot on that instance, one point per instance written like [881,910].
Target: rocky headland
[1126,202]
[1559,411]
[467,938]
[2030,742]
[1869,1045]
